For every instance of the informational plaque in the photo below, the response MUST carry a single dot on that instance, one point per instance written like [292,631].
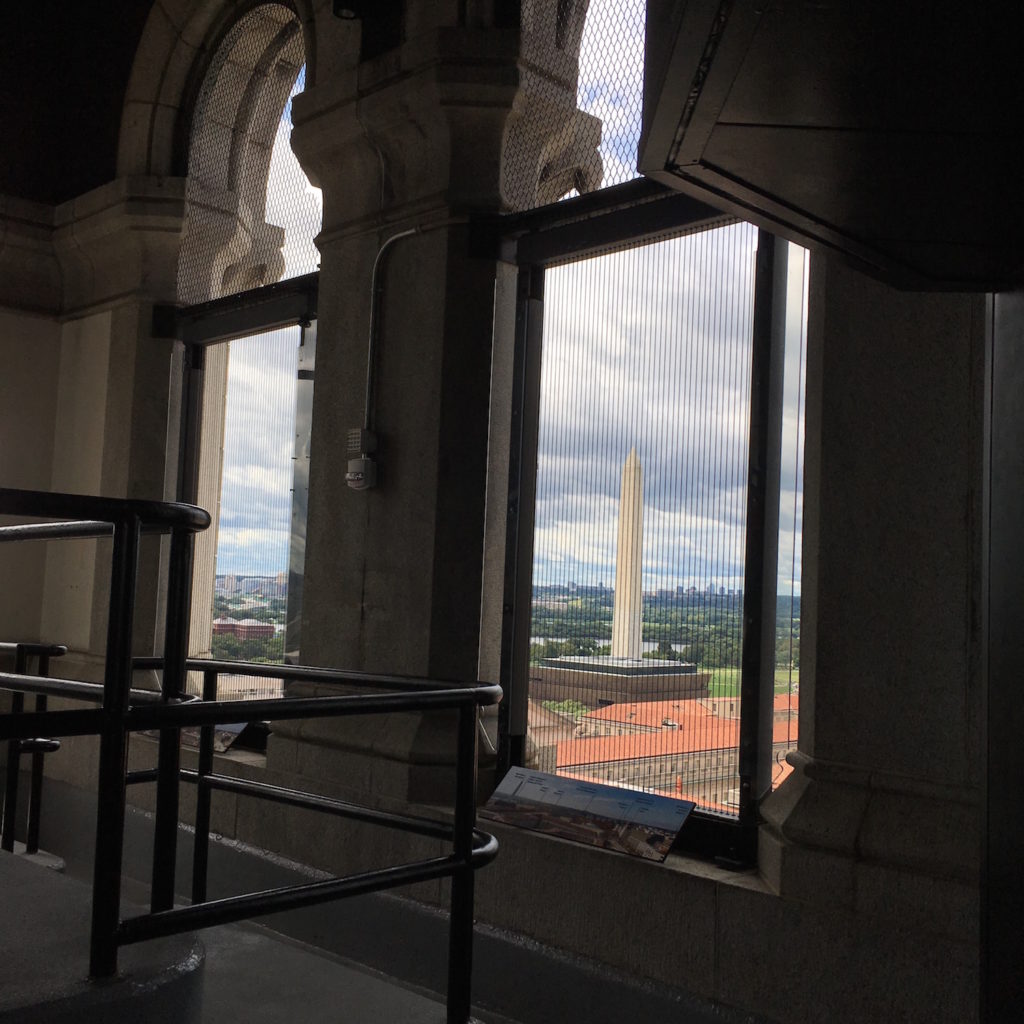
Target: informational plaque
[626,820]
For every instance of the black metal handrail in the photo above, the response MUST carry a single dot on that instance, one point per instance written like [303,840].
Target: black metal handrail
[472,848]
[298,673]
[88,510]
[73,689]
[126,520]
[125,710]
[37,746]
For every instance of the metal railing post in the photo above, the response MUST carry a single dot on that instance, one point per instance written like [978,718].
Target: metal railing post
[110,811]
[201,849]
[13,760]
[460,928]
[124,710]
[165,837]
[35,799]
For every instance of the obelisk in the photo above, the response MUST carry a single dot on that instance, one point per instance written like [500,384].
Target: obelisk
[628,593]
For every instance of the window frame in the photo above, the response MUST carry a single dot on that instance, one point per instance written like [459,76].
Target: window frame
[289,303]
[635,213]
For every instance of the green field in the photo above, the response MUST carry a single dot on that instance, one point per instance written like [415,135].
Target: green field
[725,682]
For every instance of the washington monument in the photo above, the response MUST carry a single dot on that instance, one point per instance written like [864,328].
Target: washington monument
[626,630]
[624,674]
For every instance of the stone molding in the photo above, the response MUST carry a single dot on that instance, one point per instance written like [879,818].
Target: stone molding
[421,124]
[114,242]
[30,273]
[120,240]
[874,842]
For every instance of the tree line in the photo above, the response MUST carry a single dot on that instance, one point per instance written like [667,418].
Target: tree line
[707,631]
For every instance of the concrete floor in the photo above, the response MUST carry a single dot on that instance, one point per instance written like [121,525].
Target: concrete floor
[250,973]
[327,963]
[255,975]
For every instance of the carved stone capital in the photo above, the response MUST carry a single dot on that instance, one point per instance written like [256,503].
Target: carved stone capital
[420,127]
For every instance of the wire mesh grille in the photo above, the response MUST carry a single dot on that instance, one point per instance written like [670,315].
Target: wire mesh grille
[578,117]
[252,213]
[252,219]
[244,577]
[611,81]
[255,503]
[640,518]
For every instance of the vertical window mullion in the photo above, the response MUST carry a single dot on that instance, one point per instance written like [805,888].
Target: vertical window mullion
[762,525]
[522,494]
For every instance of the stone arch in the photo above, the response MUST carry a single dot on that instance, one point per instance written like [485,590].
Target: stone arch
[551,146]
[233,113]
[178,41]
[228,244]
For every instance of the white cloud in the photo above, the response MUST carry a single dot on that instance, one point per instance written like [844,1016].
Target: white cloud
[259,441]
[651,348]
[292,202]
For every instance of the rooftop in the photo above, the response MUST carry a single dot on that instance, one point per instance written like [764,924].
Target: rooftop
[708,733]
[621,666]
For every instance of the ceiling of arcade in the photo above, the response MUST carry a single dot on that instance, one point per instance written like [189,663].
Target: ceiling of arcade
[63,74]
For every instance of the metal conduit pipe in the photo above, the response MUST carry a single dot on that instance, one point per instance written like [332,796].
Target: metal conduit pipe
[361,473]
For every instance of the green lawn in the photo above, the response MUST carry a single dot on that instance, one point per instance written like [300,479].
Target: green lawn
[725,682]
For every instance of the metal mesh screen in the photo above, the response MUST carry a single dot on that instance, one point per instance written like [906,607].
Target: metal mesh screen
[241,598]
[578,116]
[640,517]
[252,213]
[254,527]
[611,81]
[251,220]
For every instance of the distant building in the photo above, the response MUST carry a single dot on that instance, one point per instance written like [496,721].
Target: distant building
[598,680]
[687,748]
[244,629]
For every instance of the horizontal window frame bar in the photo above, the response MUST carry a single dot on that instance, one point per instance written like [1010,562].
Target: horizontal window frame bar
[257,311]
[621,216]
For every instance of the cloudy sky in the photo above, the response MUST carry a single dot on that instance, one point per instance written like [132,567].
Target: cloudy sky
[651,348]
[648,348]
[259,427]
[259,438]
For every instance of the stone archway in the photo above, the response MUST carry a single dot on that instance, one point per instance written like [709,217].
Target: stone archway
[228,245]
[170,65]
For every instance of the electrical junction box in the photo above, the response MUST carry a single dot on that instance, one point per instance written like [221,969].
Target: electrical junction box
[362,474]
[361,441]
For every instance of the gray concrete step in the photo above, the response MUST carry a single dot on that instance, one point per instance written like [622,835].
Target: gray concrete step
[261,977]
[44,959]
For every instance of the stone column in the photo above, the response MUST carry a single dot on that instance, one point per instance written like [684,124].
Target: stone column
[412,142]
[105,401]
[881,817]
[393,573]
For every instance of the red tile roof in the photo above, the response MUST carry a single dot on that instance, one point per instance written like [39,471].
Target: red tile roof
[787,702]
[696,735]
[652,713]
[649,713]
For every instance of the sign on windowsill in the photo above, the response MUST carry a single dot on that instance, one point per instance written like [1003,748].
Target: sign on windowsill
[641,824]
